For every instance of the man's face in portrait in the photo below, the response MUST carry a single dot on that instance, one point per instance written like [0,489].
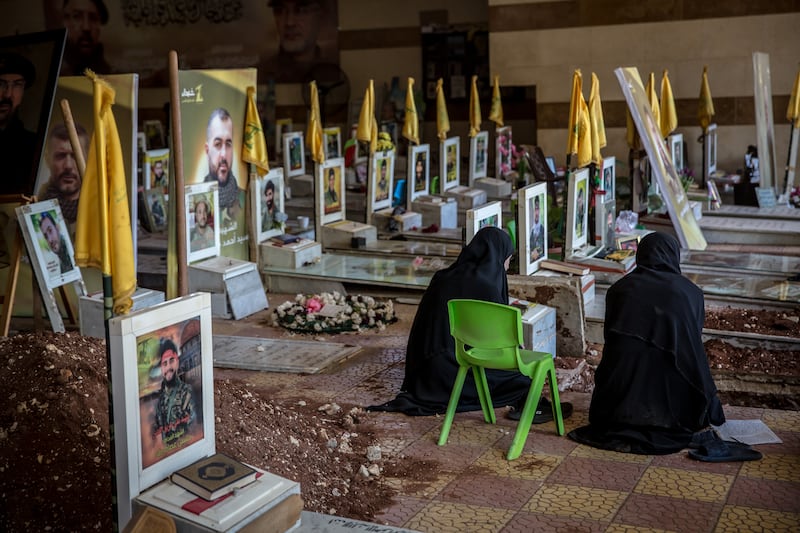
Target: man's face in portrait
[50,232]
[12,89]
[158,169]
[298,23]
[63,168]
[82,20]
[169,365]
[536,212]
[269,198]
[331,181]
[219,148]
[383,172]
[420,168]
[201,215]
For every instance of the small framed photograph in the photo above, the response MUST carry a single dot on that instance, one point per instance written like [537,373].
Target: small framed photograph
[163,396]
[503,152]
[202,227]
[490,214]
[330,191]
[609,182]
[676,151]
[294,154]
[577,210]
[267,196]
[532,217]
[605,219]
[156,208]
[478,156]
[156,170]
[282,125]
[627,242]
[449,157]
[154,134]
[419,166]
[333,142]
[381,170]
[711,149]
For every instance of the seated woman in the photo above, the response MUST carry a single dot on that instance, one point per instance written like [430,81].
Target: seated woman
[653,387]
[479,273]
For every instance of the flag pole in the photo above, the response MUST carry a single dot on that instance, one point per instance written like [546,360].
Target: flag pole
[178,199]
[792,140]
[74,140]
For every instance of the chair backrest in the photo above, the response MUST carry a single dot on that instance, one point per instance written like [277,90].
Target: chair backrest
[511,227]
[492,332]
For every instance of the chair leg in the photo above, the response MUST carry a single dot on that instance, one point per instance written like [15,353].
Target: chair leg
[526,418]
[458,384]
[557,416]
[484,395]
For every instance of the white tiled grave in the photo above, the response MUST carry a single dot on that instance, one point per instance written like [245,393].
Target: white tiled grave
[278,355]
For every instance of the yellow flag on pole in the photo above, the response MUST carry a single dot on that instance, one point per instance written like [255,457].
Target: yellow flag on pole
[103,231]
[579,139]
[367,130]
[793,111]
[442,119]
[705,107]
[314,130]
[496,111]
[411,120]
[474,109]
[597,124]
[669,117]
[254,146]
[652,97]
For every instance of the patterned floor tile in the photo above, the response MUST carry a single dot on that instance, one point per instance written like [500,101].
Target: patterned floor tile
[668,514]
[606,455]
[782,420]
[611,475]
[525,522]
[682,460]
[765,494]
[401,510]
[737,412]
[473,432]
[576,502]
[451,458]
[790,444]
[738,519]
[624,528]
[425,490]
[544,442]
[526,466]
[444,517]
[774,466]
[675,483]
[489,490]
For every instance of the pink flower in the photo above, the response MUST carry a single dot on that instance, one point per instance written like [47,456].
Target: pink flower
[313,305]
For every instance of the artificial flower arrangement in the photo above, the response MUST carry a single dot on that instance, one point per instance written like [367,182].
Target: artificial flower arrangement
[794,197]
[517,158]
[333,313]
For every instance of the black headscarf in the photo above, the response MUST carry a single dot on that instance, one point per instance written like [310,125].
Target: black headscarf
[479,273]
[653,387]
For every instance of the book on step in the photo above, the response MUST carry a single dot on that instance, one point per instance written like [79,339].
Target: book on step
[214,476]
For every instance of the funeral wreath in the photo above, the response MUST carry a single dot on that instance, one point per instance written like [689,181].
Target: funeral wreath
[333,313]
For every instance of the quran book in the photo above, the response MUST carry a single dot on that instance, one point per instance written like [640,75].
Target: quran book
[214,476]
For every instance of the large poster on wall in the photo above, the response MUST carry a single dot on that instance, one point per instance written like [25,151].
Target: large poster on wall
[284,39]
[213,106]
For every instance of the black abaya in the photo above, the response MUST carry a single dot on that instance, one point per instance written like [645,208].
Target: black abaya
[479,273]
[653,386]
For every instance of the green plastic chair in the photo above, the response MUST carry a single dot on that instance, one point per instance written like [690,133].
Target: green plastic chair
[511,227]
[489,335]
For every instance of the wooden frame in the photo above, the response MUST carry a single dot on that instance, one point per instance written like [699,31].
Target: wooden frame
[380,188]
[577,210]
[329,211]
[478,156]
[608,183]
[711,150]
[502,150]
[282,126]
[532,229]
[155,205]
[151,157]
[332,139]
[269,226]
[146,452]
[418,186]
[676,151]
[294,154]
[198,245]
[490,214]
[449,167]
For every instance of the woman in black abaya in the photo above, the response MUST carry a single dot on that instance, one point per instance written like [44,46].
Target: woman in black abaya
[479,273]
[653,387]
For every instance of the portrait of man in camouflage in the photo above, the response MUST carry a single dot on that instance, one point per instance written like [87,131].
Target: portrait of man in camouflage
[175,410]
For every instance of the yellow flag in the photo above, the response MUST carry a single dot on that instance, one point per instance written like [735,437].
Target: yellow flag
[411,120]
[254,147]
[367,126]
[442,119]
[579,138]
[793,111]
[631,135]
[597,124]
[705,107]
[652,97]
[103,231]
[474,109]
[496,111]
[669,117]
[314,130]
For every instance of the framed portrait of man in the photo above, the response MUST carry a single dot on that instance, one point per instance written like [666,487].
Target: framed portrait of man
[503,151]
[676,151]
[532,217]
[282,125]
[449,157]
[156,208]
[202,224]
[608,182]
[156,170]
[381,180]
[329,189]
[419,164]
[490,214]
[294,154]
[267,196]
[577,210]
[711,150]
[332,138]
[478,156]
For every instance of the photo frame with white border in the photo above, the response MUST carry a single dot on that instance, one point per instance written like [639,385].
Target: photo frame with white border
[502,150]
[532,242]
[605,219]
[449,167]
[151,158]
[268,225]
[676,151]
[490,214]
[141,455]
[282,125]
[577,210]
[294,154]
[381,171]
[329,211]
[478,156]
[332,139]
[608,181]
[711,150]
[198,243]
[155,206]
[418,185]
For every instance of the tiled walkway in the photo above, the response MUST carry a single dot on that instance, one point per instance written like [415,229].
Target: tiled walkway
[556,484]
